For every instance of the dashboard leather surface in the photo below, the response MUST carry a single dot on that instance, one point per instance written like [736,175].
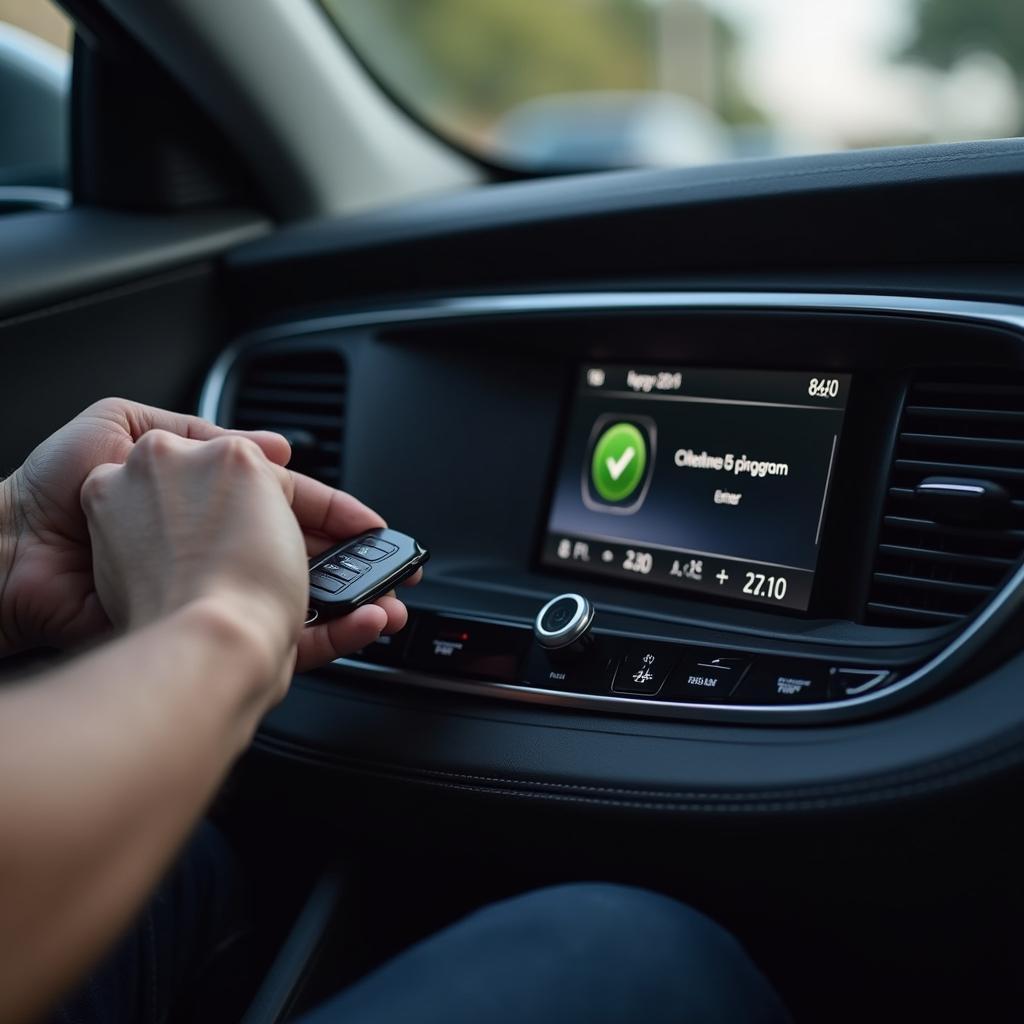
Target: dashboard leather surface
[532,753]
[932,204]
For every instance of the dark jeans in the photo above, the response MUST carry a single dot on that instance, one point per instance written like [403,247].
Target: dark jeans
[585,952]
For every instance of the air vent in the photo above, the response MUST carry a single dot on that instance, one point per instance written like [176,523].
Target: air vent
[934,568]
[300,394]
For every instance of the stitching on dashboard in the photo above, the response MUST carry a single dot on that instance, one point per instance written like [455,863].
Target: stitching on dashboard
[922,781]
[882,795]
[911,777]
[811,172]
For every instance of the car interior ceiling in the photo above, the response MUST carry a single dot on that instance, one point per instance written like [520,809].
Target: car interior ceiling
[851,807]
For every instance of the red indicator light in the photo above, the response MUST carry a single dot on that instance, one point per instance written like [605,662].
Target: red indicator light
[452,637]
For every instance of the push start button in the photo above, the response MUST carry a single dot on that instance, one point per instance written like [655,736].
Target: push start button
[559,614]
[563,622]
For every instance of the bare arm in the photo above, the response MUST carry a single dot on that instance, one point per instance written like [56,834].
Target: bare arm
[105,765]
[197,561]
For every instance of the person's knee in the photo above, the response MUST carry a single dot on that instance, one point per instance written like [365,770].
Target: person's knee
[630,941]
[629,922]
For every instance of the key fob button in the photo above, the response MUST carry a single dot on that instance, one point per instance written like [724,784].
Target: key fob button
[354,565]
[333,569]
[330,584]
[367,551]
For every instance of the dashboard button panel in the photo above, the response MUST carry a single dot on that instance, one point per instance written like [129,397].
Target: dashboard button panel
[644,668]
[623,673]
[707,675]
[443,643]
[387,650]
[784,681]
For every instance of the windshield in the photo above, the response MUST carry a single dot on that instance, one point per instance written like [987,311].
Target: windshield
[547,85]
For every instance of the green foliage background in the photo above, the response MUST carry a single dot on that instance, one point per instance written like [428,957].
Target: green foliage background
[481,57]
[464,63]
[949,29]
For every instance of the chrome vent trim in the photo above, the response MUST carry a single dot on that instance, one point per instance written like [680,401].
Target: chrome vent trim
[929,572]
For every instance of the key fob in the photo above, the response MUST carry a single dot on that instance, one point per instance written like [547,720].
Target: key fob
[360,570]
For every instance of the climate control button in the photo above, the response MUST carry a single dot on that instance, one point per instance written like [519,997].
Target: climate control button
[644,668]
[709,676]
[779,682]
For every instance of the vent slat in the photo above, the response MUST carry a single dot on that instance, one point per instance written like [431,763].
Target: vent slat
[293,396]
[298,379]
[955,467]
[930,526]
[302,394]
[904,613]
[268,415]
[913,412]
[930,573]
[954,441]
[943,586]
[947,557]
[966,389]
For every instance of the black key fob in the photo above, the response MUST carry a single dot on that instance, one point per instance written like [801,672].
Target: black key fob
[360,570]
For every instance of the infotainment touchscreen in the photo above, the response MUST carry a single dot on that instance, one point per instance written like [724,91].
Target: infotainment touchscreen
[712,481]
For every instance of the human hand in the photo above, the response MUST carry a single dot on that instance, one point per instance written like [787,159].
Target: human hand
[215,524]
[47,597]
[47,593]
[208,525]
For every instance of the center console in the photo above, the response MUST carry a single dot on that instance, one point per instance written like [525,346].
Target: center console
[736,507]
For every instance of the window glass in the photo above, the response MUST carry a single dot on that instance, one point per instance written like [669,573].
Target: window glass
[35,69]
[557,84]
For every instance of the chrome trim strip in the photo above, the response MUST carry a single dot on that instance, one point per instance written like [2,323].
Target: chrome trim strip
[967,488]
[971,640]
[994,313]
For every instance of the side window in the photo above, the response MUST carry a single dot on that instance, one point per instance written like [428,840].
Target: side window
[35,81]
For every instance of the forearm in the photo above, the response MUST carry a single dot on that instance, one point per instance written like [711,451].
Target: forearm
[105,765]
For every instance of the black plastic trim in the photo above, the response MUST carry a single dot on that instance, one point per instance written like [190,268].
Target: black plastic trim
[49,257]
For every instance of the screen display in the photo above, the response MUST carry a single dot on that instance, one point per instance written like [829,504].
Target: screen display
[712,481]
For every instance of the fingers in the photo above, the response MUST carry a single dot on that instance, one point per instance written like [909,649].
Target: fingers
[97,484]
[155,444]
[320,645]
[138,419]
[397,613]
[320,509]
[331,514]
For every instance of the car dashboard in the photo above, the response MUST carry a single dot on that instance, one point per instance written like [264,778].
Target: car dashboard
[868,561]
[785,504]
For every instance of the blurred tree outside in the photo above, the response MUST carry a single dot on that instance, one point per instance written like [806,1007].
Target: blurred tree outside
[468,62]
[948,31]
